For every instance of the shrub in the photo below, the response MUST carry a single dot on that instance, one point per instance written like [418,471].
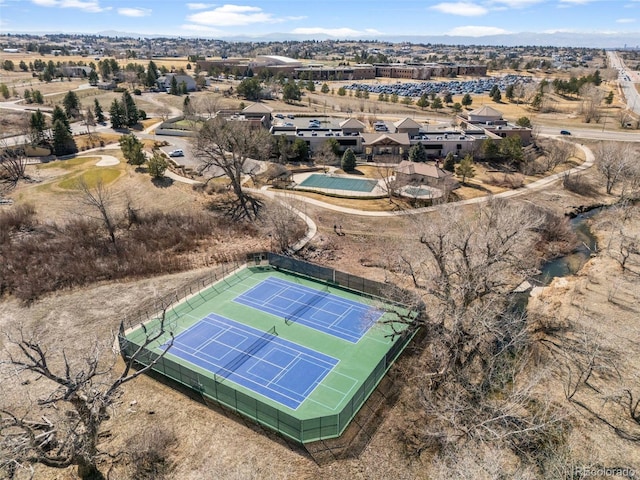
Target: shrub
[579,184]
[348,161]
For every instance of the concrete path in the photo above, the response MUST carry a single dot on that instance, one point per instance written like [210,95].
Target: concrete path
[107,161]
[534,186]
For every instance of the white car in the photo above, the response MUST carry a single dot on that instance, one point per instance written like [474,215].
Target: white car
[176,153]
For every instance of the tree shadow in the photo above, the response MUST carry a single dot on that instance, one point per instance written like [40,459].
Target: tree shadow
[162,182]
[476,186]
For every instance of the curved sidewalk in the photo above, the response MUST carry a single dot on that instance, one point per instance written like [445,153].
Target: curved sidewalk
[537,185]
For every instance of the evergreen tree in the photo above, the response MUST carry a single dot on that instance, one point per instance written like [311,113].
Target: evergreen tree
[511,150]
[37,97]
[466,168]
[291,92]
[132,149]
[187,109]
[97,108]
[324,88]
[151,75]
[58,114]
[174,86]
[417,153]
[93,78]
[510,92]
[524,122]
[300,150]
[450,163]
[348,161]
[71,104]
[157,165]
[466,100]
[490,149]
[250,88]
[609,98]
[423,101]
[27,96]
[436,103]
[117,114]
[63,143]
[37,126]
[130,110]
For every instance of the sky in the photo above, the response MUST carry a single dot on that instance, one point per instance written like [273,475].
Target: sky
[340,19]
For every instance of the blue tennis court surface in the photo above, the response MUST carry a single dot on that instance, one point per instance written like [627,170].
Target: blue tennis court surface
[278,369]
[337,316]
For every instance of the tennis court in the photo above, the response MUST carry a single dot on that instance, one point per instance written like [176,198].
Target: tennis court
[318,309]
[276,368]
[339,183]
[293,353]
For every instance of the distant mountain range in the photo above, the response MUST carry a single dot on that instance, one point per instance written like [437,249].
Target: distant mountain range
[559,39]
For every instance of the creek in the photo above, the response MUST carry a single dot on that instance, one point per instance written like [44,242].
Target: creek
[571,263]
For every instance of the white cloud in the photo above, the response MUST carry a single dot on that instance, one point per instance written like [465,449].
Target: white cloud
[46,3]
[626,20]
[199,6]
[575,2]
[86,5]
[476,31]
[190,27]
[232,16]
[464,9]
[331,32]
[514,3]
[134,12]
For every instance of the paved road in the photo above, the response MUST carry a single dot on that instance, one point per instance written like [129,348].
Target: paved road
[627,79]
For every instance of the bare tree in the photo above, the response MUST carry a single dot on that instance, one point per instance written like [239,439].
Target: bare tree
[13,166]
[232,149]
[326,155]
[83,394]
[468,379]
[283,223]
[557,152]
[592,98]
[386,175]
[613,161]
[99,199]
[209,104]
[624,117]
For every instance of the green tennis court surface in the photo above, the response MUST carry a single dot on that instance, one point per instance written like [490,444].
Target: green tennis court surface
[246,343]
[339,183]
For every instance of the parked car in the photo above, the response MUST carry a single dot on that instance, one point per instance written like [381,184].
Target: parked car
[279,115]
[565,132]
[176,153]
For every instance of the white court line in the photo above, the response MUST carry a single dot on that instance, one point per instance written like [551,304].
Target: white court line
[344,394]
[299,398]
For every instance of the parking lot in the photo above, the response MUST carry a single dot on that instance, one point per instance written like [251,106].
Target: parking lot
[455,87]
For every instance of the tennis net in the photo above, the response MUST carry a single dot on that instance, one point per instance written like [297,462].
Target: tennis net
[245,355]
[289,319]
